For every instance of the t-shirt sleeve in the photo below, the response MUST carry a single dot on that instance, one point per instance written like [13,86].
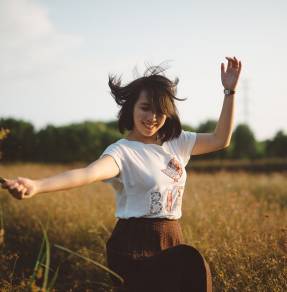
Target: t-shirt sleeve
[185,144]
[115,152]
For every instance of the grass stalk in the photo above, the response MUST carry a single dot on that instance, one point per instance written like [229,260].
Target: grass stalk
[91,261]
[43,262]
[2,230]
[39,260]
[47,261]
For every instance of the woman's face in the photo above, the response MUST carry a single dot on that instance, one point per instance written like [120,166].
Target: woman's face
[146,121]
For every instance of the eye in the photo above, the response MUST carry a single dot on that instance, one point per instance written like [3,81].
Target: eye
[145,109]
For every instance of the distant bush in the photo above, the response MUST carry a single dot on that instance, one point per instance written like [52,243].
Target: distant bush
[3,135]
[244,142]
[278,146]
[87,140]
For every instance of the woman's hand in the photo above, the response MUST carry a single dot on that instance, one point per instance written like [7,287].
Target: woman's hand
[20,188]
[230,76]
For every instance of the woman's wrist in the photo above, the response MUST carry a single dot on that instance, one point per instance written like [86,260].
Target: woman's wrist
[228,91]
[38,187]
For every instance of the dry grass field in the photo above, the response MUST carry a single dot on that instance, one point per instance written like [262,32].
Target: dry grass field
[237,220]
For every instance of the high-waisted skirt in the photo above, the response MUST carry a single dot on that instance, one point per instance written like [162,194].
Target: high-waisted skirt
[150,255]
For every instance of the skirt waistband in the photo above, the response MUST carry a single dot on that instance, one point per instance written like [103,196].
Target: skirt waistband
[143,236]
[146,219]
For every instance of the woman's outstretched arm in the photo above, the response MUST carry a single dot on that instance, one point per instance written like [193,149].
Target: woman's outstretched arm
[220,138]
[101,169]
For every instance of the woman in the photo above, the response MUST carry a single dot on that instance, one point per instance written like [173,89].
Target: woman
[146,168]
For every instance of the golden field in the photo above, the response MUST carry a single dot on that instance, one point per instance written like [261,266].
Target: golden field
[238,221]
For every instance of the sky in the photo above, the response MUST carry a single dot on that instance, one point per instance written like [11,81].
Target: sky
[56,55]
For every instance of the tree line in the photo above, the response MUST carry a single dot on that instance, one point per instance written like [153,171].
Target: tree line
[85,142]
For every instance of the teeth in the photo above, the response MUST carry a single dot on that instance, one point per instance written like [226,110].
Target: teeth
[150,126]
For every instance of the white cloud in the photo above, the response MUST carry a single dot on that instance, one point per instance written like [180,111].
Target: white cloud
[30,43]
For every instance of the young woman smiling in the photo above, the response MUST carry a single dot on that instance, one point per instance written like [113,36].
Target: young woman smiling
[147,171]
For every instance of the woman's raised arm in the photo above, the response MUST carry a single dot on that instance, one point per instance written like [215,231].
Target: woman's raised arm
[101,169]
[220,138]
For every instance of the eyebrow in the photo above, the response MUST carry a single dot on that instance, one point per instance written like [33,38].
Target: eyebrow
[145,103]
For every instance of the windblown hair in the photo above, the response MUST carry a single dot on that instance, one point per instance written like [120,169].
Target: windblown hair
[161,93]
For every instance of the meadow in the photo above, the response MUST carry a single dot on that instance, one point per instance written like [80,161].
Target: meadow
[237,220]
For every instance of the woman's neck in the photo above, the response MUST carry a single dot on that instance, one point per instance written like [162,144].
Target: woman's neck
[133,136]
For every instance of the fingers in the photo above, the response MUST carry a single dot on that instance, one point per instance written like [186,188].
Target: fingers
[5,183]
[15,194]
[18,192]
[2,180]
[239,67]
[229,64]
[21,188]
[233,63]
[17,188]
[222,68]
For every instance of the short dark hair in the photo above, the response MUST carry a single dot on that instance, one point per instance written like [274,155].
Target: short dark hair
[161,93]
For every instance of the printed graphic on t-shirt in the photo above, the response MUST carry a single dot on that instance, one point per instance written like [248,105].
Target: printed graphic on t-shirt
[173,170]
[173,199]
[156,205]
[168,201]
[178,197]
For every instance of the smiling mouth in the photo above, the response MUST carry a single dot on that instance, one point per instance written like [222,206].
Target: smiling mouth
[149,126]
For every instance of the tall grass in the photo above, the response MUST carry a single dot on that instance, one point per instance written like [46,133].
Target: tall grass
[42,267]
[238,221]
[2,230]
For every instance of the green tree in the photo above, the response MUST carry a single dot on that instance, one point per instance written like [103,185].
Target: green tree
[244,143]
[187,127]
[3,135]
[112,125]
[19,145]
[260,149]
[75,142]
[278,146]
[207,127]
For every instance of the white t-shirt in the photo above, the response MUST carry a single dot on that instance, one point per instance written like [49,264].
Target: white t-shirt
[152,177]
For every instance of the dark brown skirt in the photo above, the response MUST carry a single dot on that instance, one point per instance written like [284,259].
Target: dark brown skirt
[135,239]
[143,237]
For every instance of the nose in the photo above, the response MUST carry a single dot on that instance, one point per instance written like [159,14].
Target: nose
[151,117]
